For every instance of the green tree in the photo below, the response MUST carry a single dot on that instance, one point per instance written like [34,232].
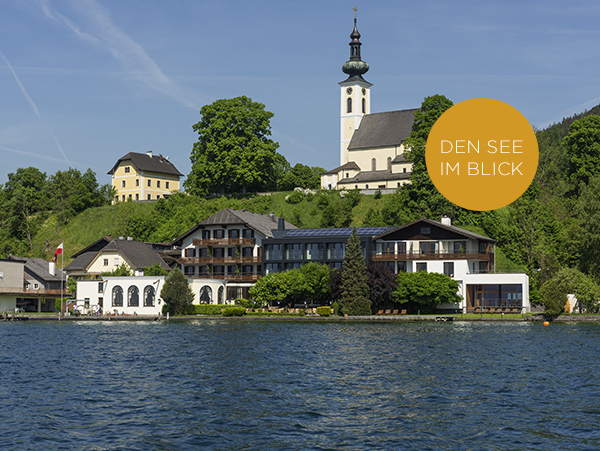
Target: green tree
[234,153]
[554,298]
[426,290]
[176,292]
[588,211]
[123,270]
[302,176]
[382,283]
[585,289]
[318,278]
[582,146]
[354,299]
[155,270]
[271,289]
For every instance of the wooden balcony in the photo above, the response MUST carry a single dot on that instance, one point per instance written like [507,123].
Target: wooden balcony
[417,255]
[229,277]
[33,293]
[218,260]
[224,242]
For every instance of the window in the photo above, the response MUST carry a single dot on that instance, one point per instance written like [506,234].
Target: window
[117,296]
[137,182]
[404,170]
[449,269]
[219,252]
[167,185]
[336,251]
[206,234]
[315,251]
[421,267]
[127,169]
[123,184]
[364,105]
[188,270]
[149,196]
[247,252]
[205,295]
[149,182]
[289,266]
[483,267]
[137,196]
[401,266]
[425,230]
[248,233]
[158,196]
[483,247]
[428,247]
[231,270]
[294,251]
[36,286]
[273,251]
[347,175]
[106,262]
[349,105]
[116,261]
[366,186]
[190,252]
[219,234]
[234,234]
[149,294]
[389,161]
[247,270]
[100,287]
[158,183]
[272,267]
[218,270]
[123,197]
[133,296]
[373,164]
[220,295]
[129,196]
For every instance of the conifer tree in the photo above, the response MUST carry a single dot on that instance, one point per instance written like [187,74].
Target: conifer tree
[354,300]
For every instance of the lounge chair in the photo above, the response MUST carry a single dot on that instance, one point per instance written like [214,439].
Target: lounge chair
[380,312]
[388,312]
[395,312]
[403,312]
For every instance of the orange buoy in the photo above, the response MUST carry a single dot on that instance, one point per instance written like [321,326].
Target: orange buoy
[546,323]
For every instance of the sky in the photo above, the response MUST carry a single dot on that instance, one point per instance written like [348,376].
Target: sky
[84,82]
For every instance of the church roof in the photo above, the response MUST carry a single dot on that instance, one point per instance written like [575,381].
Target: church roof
[347,166]
[386,129]
[148,163]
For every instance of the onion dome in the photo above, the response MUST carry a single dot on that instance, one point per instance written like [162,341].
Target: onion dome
[355,67]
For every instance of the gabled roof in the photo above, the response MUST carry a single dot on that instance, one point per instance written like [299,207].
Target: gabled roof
[439,225]
[386,129]
[148,163]
[351,165]
[138,254]
[263,224]
[39,268]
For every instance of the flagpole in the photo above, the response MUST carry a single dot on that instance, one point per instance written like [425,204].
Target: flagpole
[62,274]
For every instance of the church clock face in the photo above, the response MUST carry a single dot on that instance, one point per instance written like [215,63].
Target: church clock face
[349,91]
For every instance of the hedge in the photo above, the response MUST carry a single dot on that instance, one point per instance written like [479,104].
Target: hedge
[324,311]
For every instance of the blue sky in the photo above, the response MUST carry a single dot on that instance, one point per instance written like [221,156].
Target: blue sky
[83,82]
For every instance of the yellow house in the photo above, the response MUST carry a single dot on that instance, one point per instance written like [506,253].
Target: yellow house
[142,176]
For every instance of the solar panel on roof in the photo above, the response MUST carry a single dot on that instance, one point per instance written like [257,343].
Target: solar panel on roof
[344,231]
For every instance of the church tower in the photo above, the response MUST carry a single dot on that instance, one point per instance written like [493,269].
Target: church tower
[355,94]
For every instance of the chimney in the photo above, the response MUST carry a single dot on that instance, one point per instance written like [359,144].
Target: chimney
[281,225]
[52,268]
[129,238]
[272,216]
[446,220]
[121,237]
[149,153]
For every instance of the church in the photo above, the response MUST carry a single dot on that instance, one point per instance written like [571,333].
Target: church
[371,144]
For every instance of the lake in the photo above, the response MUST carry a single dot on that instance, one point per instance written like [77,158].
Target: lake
[268,385]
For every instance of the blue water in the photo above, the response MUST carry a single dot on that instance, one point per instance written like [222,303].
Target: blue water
[262,385]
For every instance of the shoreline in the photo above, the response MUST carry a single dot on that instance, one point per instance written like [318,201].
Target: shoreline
[370,318]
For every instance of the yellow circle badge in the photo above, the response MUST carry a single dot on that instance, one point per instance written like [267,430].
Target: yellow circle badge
[482,154]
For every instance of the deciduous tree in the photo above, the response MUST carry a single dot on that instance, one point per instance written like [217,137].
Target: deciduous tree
[234,153]
[426,289]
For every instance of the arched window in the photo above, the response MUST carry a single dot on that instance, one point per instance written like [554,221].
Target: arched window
[220,295]
[149,294]
[349,105]
[389,163]
[373,164]
[117,296]
[133,296]
[364,105]
[205,295]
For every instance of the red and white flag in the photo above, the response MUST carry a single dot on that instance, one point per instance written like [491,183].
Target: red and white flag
[58,252]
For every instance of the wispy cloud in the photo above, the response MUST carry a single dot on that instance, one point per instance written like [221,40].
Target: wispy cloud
[130,54]
[33,154]
[34,107]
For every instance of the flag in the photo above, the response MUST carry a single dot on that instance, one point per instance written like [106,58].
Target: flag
[58,252]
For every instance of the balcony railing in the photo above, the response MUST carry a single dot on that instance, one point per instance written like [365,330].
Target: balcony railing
[217,260]
[224,241]
[228,277]
[39,292]
[439,255]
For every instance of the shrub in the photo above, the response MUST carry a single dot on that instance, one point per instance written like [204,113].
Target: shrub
[324,311]
[336,308]
[378,194]
[203,309]
[166,308]
[554,298]
[243,302]
[295,198]
[234,311]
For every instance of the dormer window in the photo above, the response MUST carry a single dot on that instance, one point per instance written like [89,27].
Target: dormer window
[127,169]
